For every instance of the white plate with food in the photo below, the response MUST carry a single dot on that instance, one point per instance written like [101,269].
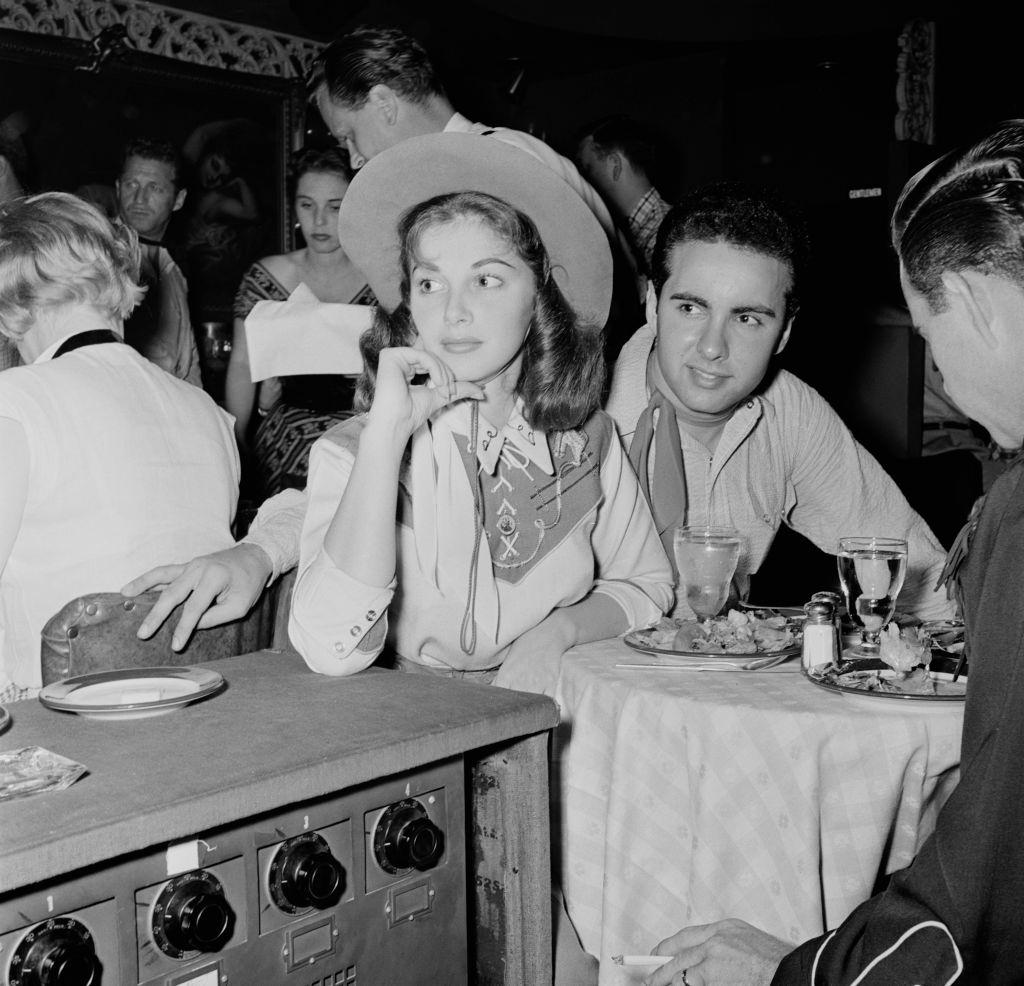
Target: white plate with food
[757,633]
[131,693]
[793,612]
[873,679]
[908,668]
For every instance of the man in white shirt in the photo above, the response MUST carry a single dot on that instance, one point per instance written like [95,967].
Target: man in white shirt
[376,87]
[716,433]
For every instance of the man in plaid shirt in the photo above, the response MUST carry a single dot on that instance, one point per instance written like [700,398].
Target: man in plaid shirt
[618,158]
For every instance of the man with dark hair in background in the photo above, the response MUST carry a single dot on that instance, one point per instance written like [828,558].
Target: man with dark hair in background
[150,190]
[619,157]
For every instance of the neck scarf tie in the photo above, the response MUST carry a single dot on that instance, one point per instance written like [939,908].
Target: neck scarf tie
[664,486]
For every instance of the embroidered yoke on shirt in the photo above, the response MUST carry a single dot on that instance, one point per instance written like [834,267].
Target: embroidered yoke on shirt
[560,515]
[532,496]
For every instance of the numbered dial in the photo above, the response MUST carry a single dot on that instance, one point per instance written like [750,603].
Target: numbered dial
[192,915]
[58,952]
[405,838]
[305,874]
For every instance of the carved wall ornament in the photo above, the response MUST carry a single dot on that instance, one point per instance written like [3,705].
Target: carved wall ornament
[158,30]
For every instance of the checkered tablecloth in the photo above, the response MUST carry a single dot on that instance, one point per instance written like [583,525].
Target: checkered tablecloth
[681,798]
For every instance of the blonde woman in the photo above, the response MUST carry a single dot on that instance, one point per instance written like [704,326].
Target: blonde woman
[109,464]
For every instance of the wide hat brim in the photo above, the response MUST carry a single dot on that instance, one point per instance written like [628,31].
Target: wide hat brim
[421,168]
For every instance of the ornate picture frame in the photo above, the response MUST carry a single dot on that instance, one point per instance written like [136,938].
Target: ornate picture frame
[73,103]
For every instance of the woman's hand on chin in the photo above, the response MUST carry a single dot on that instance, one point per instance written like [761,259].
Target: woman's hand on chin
[401,406]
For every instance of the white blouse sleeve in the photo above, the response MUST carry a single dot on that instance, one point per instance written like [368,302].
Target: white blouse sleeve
[276,529]
[337,623]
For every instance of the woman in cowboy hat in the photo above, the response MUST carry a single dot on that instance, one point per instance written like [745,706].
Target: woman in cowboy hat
[481,511]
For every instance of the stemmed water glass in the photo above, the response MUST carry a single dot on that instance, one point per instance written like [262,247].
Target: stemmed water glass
[871,572]
[706,559]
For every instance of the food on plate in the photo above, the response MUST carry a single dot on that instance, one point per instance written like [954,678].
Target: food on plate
[860,676]
[738,632]
[903,651]
[916,682]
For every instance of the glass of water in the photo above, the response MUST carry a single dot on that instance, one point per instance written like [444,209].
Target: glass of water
[706,559]
[871,572]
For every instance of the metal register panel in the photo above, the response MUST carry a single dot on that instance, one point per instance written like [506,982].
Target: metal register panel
[388,926]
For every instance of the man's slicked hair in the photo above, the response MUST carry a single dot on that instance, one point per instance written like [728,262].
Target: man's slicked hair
[744,216]
[350,66]
[965,211]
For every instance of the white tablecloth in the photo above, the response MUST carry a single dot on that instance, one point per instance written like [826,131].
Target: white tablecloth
[682,798]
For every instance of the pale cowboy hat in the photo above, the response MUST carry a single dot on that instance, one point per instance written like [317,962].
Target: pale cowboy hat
[421,168]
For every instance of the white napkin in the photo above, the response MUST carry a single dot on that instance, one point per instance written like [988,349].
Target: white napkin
[304,335]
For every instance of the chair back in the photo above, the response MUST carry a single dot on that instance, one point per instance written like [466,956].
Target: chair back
[97,632]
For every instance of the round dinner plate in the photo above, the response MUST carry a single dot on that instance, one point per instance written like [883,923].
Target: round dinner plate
[953,692]
[641,640]
[131,693]
[791,612]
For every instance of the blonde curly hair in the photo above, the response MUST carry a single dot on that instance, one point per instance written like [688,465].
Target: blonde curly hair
[57,250]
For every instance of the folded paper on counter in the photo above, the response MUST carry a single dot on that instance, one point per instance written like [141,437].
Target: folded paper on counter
[303,335]
[33,770]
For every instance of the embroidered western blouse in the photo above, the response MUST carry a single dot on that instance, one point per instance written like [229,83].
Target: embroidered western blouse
[561,515]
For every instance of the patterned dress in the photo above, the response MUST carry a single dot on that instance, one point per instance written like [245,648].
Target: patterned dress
[309,404]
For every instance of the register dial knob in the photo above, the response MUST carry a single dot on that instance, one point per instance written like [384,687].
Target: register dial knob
[58,952]
[192,915]
[305,874]
[406,838]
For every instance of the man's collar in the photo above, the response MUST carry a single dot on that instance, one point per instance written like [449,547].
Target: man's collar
[458,124]
[642,203]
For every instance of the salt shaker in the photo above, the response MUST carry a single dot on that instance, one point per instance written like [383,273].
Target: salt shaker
[821,640]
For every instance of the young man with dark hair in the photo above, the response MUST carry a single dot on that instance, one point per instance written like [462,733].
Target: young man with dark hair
[954,915]
[716,433]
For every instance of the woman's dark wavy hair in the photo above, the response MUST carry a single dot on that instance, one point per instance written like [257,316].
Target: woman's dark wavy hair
[965,211]
[319,161]
[563,365]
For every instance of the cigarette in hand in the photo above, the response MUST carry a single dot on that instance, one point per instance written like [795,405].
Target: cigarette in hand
[651,960]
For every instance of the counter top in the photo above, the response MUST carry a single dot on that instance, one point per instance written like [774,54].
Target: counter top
[276,735]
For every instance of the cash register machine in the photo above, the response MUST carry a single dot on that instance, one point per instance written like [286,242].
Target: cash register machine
[380,830]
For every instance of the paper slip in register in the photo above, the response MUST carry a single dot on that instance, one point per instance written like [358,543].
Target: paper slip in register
[303,335]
